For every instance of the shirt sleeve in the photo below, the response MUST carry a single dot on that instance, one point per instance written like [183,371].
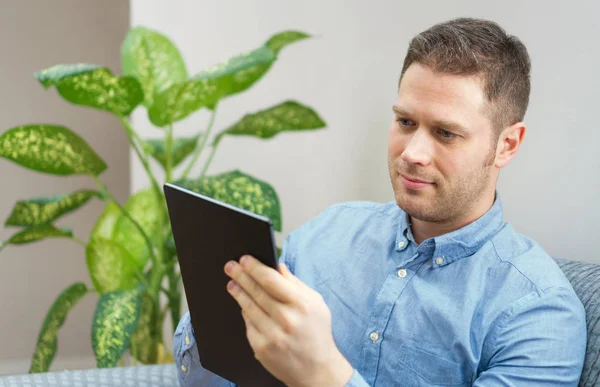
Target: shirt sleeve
[357,380]
[539,341]
[189,369]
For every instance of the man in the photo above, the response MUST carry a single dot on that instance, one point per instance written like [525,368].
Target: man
[434,288]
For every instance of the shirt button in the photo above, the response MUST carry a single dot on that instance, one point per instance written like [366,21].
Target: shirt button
[401,244]
[374,336]
[439,260]
[187,340]
[402,273]
[183,368]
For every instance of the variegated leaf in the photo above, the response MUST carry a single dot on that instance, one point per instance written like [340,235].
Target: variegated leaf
[153,59]
[110,265]
[94,86]
[240,190]
[117,314]
[48,338]
[50,149]
[38,233]
[34,212]
[145,208]
[144,343]
[287,116]
[206,88]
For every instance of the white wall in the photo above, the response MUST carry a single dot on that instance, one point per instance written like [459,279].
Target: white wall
[349,74]
[35,35]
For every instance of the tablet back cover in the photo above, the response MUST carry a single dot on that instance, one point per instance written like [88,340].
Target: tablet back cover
[207,235]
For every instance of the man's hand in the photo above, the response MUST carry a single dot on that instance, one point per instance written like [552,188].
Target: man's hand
[288,325]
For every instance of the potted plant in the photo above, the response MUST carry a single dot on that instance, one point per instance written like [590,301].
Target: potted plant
[130,252]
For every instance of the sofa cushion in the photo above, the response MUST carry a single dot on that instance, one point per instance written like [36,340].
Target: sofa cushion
[142,376]
[585,279]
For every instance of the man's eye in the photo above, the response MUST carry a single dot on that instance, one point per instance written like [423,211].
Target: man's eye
[404,122]
[446,134]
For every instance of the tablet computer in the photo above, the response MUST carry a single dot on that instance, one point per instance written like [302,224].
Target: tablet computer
[207,234]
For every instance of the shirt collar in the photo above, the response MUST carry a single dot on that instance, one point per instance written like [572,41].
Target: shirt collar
[461,243]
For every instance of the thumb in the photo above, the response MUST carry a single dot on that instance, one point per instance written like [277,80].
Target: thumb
[283,269]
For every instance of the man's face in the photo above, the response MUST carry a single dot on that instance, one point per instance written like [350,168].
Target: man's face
[440,151]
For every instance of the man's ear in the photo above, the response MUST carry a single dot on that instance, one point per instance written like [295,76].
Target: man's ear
[508,143]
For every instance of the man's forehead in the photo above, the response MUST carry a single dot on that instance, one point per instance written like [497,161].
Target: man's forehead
[426,81]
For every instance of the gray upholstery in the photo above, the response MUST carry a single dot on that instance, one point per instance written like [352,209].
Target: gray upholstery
[585,279]
[144,376]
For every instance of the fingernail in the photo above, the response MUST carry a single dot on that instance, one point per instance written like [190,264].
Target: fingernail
[244,260]
[228,267]
[231,285]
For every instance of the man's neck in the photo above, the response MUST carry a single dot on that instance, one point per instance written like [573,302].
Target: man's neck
[423,230]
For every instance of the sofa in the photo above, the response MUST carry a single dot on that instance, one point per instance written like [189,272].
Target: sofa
[585,278]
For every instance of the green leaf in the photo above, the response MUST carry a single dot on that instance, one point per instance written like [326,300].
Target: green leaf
[287,116]
[48,338]
[182,148]
[145,208]
[153,59]
[38,233]
[224,79]
[50,149]
[241,71]
[115,319]
[34,212]
[282,39]
[94,86]
[105,224]
[53,75]
[144,343]
[182,99]
[240,190]
[110,265]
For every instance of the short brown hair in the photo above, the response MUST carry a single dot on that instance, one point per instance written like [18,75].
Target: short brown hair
[467,46]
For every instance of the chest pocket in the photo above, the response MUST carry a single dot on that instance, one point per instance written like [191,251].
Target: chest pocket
[428,369]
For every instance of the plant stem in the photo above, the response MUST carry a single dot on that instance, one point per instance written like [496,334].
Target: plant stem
[134,139]
[212,154]
[174,297]
[78,240]
[157,270]
[200,148]
[135,223]
[169,150]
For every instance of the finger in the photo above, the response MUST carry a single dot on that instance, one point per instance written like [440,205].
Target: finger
[270,280]
[255,338]
[252,288]
[260,320]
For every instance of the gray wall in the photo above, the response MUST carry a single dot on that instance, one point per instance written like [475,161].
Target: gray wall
[349,75]
[34,35]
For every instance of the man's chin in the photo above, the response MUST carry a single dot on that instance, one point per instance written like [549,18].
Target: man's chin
[414,202]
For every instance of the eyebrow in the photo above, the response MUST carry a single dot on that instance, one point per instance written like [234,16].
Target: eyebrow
[444,124]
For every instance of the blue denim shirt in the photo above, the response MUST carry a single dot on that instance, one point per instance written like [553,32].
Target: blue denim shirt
[483,305]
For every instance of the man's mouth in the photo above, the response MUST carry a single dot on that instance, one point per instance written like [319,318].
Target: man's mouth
[414,183]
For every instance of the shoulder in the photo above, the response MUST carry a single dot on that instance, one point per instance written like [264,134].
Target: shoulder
[528,261]
[340,226]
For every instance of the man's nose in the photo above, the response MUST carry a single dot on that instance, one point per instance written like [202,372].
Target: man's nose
[419,148]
